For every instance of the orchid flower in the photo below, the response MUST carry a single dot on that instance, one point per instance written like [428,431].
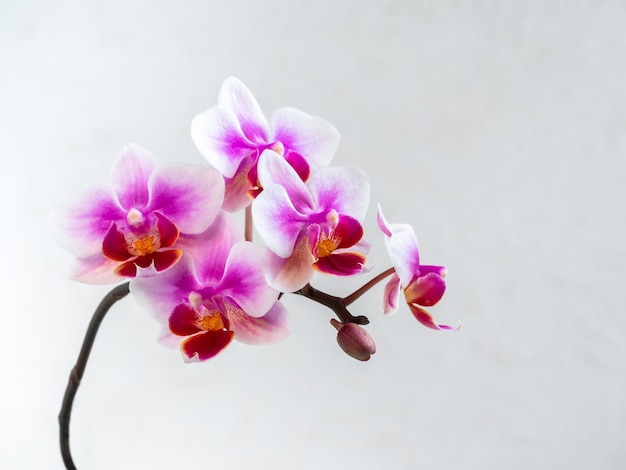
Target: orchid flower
[310,226]
[131,227]
[215,294]
[233,134]
[423,285]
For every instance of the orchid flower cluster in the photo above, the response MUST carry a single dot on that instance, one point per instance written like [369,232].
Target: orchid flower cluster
[170,231]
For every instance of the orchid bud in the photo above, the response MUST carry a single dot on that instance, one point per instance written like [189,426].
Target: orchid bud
[354,340]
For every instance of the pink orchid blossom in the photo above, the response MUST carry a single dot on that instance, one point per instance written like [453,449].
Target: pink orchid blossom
[233,134]
[131,227]
[215,294]
[423,285]
[310,226]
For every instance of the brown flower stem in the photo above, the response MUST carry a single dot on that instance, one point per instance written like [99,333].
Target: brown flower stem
[336,304]
[367,286]
[249,226]
[76,374]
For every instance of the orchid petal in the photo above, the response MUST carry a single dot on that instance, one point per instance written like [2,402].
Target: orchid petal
[427,320]
[114,245]
[299,164]
[210,249]
[235,96]
[182,321]
[402,248]
[244,282]
[277,220]
[129,176]
[95,269]
[237,189]
[189,195]
[161,294]
[392,295]
[348,231]
[220,139]
[205,345]
[310,136]
[274,169]
[80,225]
[344,189]
[341,264]
[270,328]
[425,290]
[292,273]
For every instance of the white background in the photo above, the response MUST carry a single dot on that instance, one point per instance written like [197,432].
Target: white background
[498,129]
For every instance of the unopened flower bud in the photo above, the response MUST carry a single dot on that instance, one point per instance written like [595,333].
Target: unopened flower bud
[354,340]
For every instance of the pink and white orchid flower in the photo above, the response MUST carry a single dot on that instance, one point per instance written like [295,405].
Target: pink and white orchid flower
[423,285]
[310,226]
[233,134]
[215,294]
[131,227]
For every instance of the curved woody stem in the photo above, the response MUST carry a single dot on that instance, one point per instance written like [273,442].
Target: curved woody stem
[76,374]
[367,286]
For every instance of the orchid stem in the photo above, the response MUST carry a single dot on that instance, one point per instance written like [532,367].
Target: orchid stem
[367,286]
[76,374]
[249,226]
[336,304]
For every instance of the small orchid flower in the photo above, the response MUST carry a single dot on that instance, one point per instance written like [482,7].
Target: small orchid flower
[310,226]
[131,227]
[233,134]
[215,294]
[423,285]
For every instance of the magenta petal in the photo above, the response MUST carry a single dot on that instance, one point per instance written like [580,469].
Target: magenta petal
[182,321]
[344,189]
[165,259]
[310,136]
[270,328]
[205,345]
[427,320]
[348,231]
[298,163]
[188,195]
[114,245]
[129,176]
[292,273]
[235,96]
[392,295]
[341,264]
[425,290]
[80,225]
[237,189]
[218,135]
[168,232]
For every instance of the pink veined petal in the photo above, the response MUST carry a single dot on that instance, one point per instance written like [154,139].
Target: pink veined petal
[310,136]
[277,221]
[159,295]
[220,139]
[341,264]
[182,321]
[210,249]
[292,273]
[237,190]
[392,295]
[188,195]
[425,290]
[270,328]
[235,96]
[129,176]
[427,320]
[273,169]
[348,231]
[244,282]
[95,269]
[345,189]
[80,225]
[205,345]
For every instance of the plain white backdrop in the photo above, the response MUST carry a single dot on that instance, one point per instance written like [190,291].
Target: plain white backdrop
[498,129]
